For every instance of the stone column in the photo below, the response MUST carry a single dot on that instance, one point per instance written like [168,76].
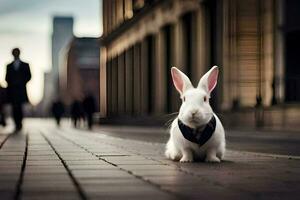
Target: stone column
[137,78]
[160,91]
[103,82]
[129,81]
[145,75]
[279,51]
[114,98]
[121,84]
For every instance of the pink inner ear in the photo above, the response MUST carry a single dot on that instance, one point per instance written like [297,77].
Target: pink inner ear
[177,80]
[212,79]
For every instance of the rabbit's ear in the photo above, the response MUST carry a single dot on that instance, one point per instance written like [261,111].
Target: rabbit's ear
[180,80]
[209,80]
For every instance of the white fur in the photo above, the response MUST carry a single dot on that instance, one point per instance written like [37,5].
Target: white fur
[180,149]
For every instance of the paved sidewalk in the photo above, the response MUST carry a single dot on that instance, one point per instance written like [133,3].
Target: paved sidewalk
[262,141]
[48,163]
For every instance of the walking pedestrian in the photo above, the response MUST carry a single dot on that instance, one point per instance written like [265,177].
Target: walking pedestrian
[17,76]
[58,109]
[76,112]
[89,107]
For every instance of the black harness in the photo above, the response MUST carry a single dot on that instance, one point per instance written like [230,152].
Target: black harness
[199,135]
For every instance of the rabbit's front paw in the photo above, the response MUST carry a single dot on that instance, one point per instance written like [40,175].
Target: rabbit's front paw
[212,159]
[172,155]
[186,159]
[187,156]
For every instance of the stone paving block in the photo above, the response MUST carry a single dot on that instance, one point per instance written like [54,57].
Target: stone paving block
[111,154]
[50,177]
[79,155]
[102,175]
[261,186]
[13,168]
[73,152]
[78,158]
[142,190]
[19,148]
[49,197]
[53,195]
[10,157]
[133,162]
[37,182]
[7,185]
[159,173]
[204,191]
[43,162]
[42,158]
[103,148]
[6,195]
[286,178]
[103,166]
[180,180]
[84,162]
[33,140]
[113,182]
[46,170]
[15,141]
[45,176]
[10,162]
[10,170]
[147,167]
[129,158]
[9,177]
[132,196]
[11,153]
[65,187]
[9,173]
[41,153]
[39,148]
[279,195]
[111,172]
[43,167]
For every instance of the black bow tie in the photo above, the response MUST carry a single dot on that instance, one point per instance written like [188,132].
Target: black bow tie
[198,135]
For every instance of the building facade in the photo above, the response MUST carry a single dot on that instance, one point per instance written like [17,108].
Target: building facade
[253,41]
[61,36]
[79,70]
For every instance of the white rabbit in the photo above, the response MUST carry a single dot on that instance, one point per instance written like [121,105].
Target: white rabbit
[197,133]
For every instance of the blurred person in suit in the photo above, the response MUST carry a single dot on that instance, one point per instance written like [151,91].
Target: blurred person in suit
[76,112]
[89,107]
[58,109]
[17,76]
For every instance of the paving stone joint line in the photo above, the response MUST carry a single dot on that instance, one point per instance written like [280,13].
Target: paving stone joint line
[179,168]
[75,182]
[21,177]
[176,195]
[3,142]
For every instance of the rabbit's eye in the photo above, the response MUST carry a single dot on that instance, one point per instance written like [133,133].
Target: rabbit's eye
[183,98]
[205,98]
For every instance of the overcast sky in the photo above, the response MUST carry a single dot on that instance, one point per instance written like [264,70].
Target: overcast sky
[27,24]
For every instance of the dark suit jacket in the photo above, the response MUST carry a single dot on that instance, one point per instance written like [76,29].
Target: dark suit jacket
[16,82]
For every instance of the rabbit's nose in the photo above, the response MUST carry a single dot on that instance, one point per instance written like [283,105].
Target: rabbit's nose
[194,112]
